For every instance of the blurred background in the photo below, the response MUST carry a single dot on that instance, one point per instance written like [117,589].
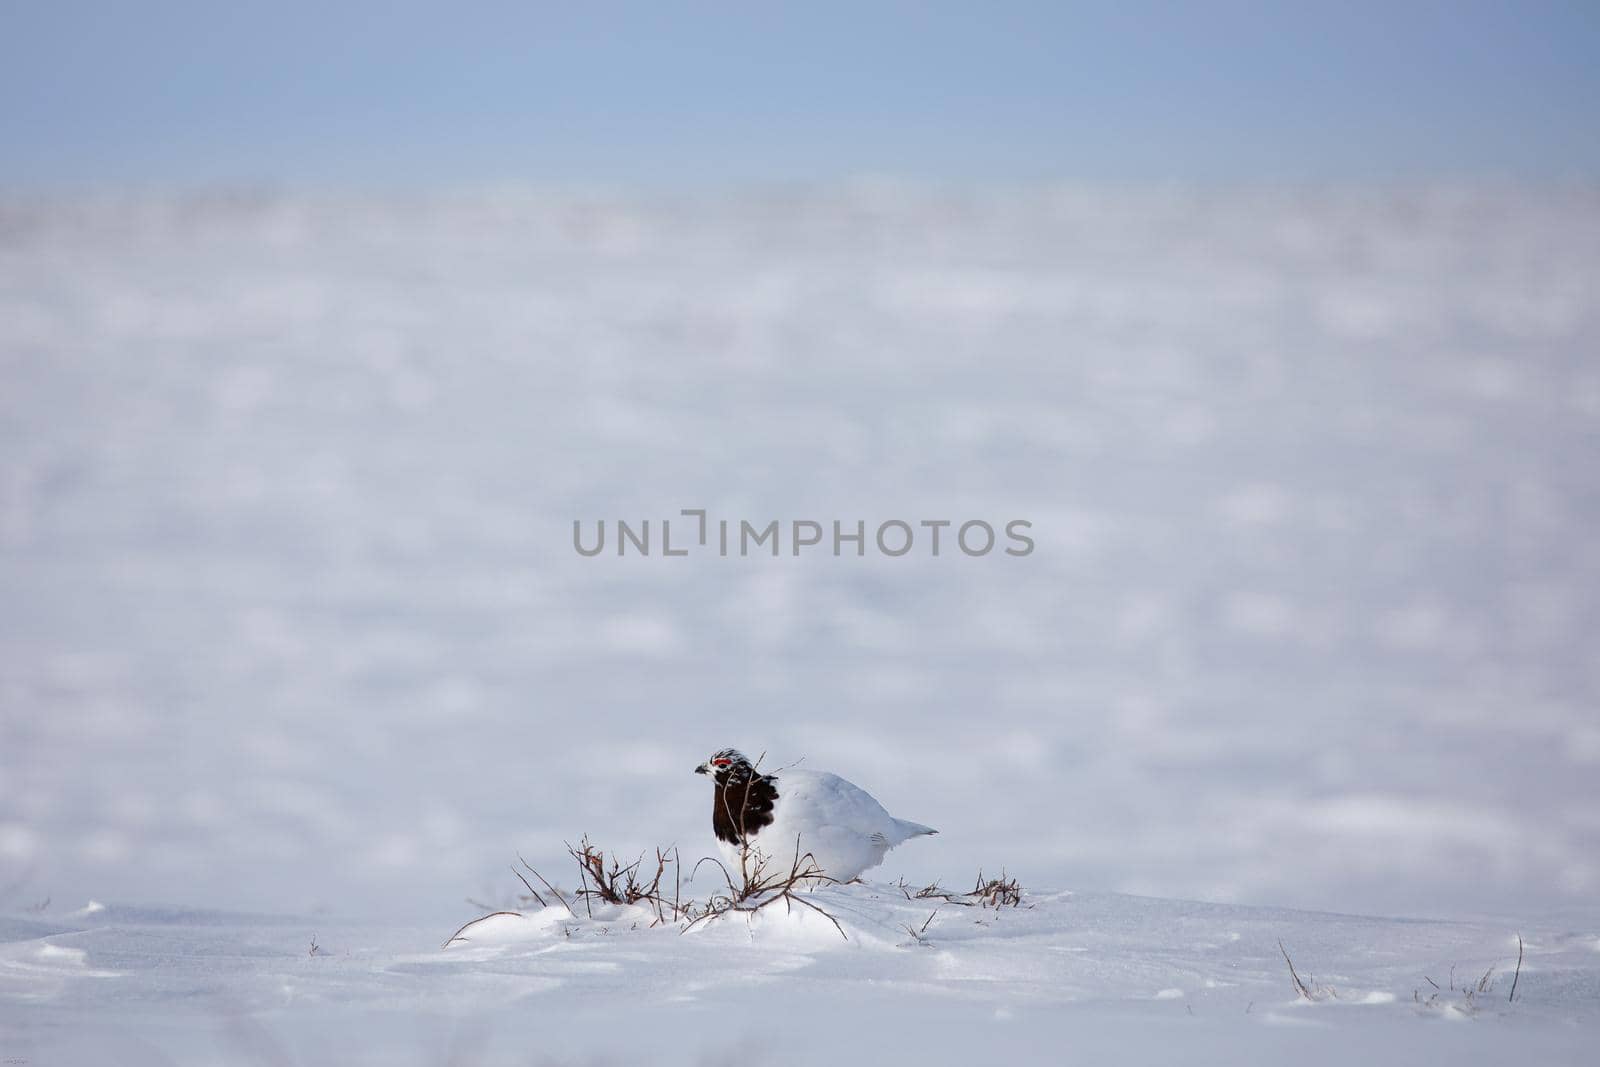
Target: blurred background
[319,328]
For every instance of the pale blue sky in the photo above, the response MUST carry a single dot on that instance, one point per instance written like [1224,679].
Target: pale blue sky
[408,94]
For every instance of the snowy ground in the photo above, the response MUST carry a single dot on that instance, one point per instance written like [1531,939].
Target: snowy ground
[291,624]
[1097,976]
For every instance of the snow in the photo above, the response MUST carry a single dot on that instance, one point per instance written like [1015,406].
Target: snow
[293,642]
[1101,973]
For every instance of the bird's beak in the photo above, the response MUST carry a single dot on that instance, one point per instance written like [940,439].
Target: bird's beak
[702,769]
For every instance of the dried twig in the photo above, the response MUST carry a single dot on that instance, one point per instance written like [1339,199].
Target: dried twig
[622,884]
[917,932]
[1513,994]
[548,886]
[934,891]
[583,878]
[997,892]
[457,935]
[531,891]
[1306,990]
[759,890]
[1471,992]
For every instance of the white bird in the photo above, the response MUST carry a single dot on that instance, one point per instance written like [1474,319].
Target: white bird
[776,820]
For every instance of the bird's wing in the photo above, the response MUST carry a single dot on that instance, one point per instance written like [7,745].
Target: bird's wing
[844,829]
[817,798]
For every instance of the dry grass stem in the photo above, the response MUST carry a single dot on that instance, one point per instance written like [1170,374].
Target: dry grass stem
[757,889]
[1512,996]
[1309,990]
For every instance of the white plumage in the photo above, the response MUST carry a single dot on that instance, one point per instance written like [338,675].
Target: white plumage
[788,813]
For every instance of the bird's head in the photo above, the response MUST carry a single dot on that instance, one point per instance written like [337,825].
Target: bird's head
[726,763]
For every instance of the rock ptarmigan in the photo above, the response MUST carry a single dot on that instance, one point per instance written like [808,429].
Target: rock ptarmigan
[777,817]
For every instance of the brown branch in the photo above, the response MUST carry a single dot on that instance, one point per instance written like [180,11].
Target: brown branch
[757,885]
[583,877]
[996,892]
